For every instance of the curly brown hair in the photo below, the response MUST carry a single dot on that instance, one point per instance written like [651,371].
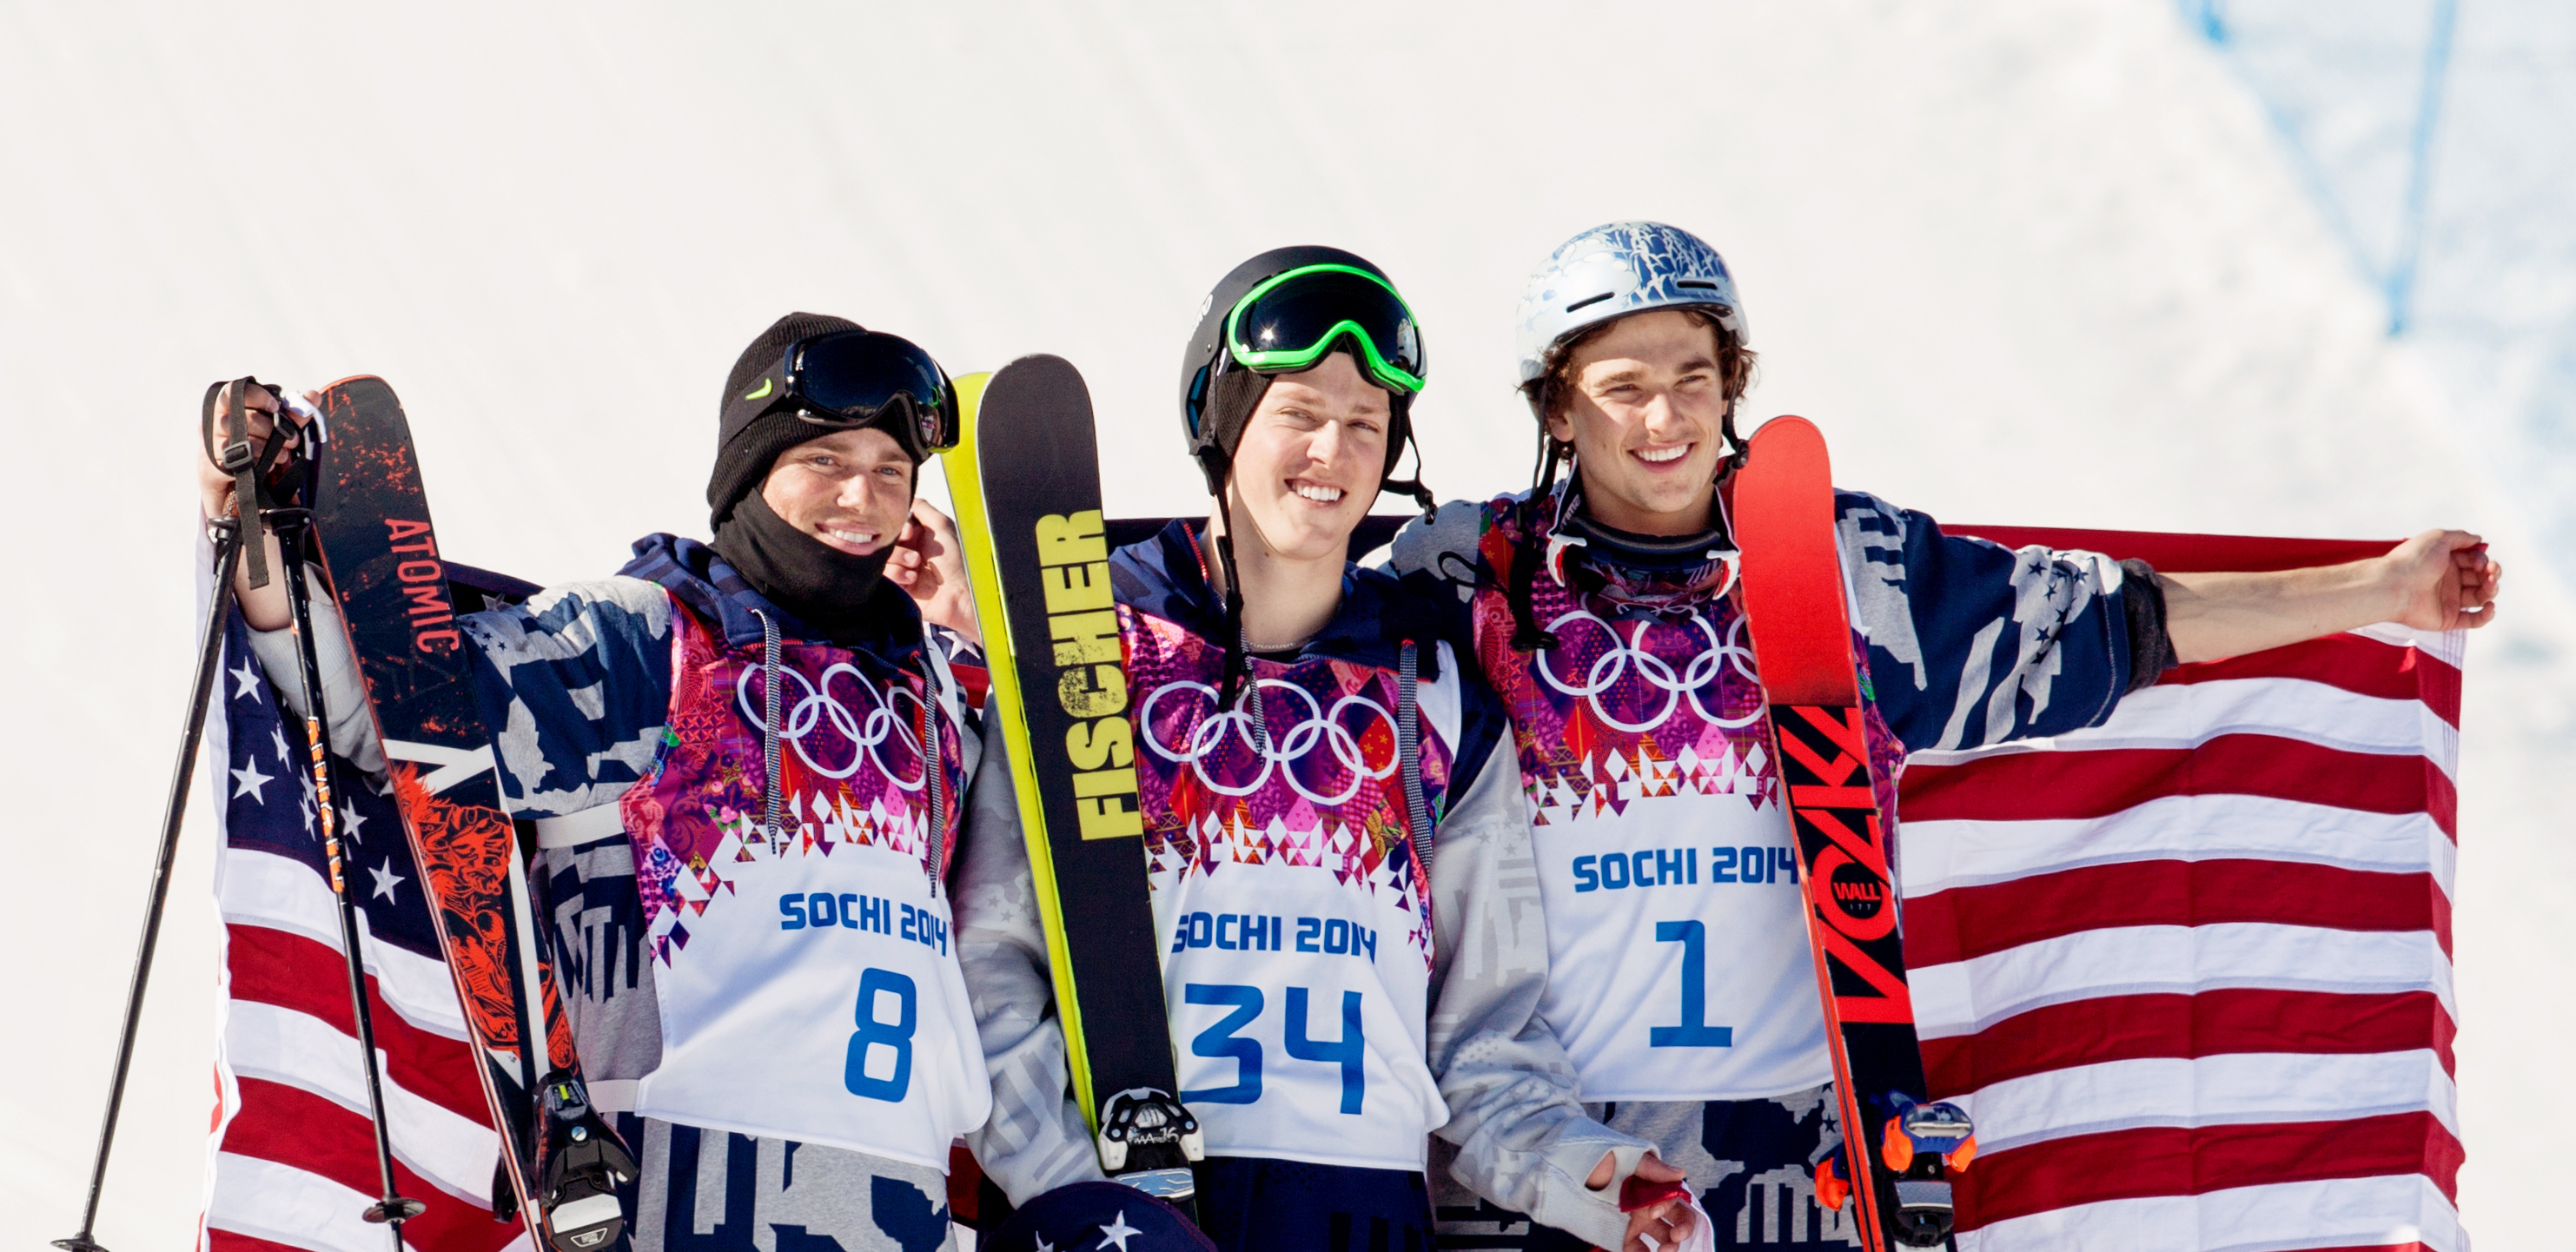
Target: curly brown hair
[1549,390]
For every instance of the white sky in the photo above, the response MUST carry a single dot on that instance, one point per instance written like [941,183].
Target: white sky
[2024,262]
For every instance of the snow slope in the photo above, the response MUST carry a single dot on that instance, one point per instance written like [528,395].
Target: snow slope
[2025,262]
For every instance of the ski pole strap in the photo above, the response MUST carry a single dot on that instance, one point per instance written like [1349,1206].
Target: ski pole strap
[769,727]
[1408,748]
[236,458]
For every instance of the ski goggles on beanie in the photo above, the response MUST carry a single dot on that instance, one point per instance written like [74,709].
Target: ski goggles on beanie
[854,379]
[1288,323]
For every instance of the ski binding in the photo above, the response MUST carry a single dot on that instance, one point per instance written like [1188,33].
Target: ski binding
[581,1209]
[1155,1130]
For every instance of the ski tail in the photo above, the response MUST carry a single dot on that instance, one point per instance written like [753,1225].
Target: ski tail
[1899,1149]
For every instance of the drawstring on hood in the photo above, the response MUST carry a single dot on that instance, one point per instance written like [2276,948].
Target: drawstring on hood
[773,766]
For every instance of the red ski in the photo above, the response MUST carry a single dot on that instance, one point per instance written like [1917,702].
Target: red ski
[1898,1150]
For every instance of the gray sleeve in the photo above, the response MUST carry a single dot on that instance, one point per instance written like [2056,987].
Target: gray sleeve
[344,693]
[1440,544]
[1523,1139]
[1035,1140]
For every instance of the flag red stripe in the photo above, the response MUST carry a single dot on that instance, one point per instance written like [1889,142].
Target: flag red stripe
[2354,663]
[221,1240]
[293,972]
[1964,923]
[2170,1161]
[2186,554]
[2037,786]
[296,1128]
[2166,1025]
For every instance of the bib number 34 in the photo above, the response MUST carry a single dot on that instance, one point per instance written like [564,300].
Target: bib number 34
[1350,1052]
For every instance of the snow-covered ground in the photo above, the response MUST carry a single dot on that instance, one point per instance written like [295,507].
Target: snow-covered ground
[2025,261]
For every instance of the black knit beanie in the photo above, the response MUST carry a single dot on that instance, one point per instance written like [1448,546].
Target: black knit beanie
[753,434]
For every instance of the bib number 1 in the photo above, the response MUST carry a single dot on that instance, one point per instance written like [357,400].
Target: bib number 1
[1694,1032]
[874,1033]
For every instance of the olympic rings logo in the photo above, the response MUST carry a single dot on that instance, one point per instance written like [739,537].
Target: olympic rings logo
[1696,675]
[1320,727]
[865,731]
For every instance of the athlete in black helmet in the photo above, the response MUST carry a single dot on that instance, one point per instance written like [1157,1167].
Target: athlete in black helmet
[1332,817]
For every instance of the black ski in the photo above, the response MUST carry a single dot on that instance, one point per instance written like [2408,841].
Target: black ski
[1026,483]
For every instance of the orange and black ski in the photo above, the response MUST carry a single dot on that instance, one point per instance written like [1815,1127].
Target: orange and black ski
[371,521]
[1898,1149]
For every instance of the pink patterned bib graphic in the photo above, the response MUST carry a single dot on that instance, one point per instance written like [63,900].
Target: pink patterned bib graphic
[1315,785]
[1630,705]
[1624,709]
[852,771]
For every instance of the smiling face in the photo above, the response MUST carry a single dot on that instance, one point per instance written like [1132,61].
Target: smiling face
[1310,460]
[1643,407]
[850,490]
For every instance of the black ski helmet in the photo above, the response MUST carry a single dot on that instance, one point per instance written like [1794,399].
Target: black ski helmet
[1218,396]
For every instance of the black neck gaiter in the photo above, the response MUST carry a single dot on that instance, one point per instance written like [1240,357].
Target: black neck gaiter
[824,587]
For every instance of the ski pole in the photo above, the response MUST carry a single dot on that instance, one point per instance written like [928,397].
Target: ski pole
[227,538]
[292,525]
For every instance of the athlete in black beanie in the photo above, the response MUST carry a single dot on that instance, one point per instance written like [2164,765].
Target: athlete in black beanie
[764,422]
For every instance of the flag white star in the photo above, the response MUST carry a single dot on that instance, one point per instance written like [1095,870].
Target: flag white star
[245,681]
[1118,1232]
[248,782]
[386,879]
[350,821]
[277,735]
[1044,1246]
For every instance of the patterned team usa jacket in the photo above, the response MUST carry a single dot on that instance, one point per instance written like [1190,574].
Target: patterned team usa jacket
[1328,1000]
[1679,962]
[776,1019]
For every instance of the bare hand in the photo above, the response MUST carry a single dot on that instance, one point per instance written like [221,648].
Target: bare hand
[1667,1223]
[2445,579]
[928,563]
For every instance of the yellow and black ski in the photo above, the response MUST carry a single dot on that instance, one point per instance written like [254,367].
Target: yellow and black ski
[1025,480]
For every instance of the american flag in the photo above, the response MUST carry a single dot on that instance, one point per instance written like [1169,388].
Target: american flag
[2191,971]
[293,1159]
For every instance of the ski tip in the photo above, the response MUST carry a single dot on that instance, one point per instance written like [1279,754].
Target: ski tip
[1789,435]
[1792,575]
[1042,368]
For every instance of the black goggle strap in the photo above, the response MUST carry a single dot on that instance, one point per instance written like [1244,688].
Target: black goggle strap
[1521,588]
[251,465]
[1422,495]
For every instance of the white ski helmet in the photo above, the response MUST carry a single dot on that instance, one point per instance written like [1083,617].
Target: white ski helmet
[1610,272]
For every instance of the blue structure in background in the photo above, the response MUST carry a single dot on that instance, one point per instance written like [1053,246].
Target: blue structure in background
[2274,43]
[2439,140]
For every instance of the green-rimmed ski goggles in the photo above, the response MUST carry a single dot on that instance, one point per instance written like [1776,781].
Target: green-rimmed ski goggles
[1289,322]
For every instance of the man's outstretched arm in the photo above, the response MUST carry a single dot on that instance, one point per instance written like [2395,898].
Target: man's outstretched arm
[2438,580]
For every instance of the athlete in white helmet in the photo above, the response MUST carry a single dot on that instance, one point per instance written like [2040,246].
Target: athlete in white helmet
[1603,616]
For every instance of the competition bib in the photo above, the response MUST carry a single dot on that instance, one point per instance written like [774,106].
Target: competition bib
[1679,966]
[809,985]
[1295,920]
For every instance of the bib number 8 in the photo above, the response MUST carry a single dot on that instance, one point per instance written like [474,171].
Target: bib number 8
[873,1033]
